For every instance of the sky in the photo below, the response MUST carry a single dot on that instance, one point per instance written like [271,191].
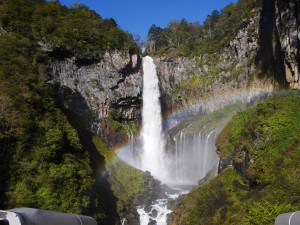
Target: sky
[136,16]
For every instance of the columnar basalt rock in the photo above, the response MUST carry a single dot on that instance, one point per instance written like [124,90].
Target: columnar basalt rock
[171,72]
[96,89]
[288,26]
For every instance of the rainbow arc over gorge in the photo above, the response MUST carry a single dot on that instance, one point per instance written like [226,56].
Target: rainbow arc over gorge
[203,107]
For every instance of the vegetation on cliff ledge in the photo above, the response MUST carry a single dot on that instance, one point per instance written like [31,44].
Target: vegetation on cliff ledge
[264,181]
[44,163]
[192,39]
[128,183]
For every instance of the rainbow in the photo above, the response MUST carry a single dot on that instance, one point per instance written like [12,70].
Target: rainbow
[208,105]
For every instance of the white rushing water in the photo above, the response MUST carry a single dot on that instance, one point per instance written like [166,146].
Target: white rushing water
[194,157]
[159,212]
[152,158]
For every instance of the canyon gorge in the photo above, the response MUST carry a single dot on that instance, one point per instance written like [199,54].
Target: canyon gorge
[145,140]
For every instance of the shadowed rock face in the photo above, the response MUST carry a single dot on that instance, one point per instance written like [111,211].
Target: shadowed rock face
[94,89]
[288,25]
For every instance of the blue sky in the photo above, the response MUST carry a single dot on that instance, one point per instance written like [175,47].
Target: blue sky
[137,16]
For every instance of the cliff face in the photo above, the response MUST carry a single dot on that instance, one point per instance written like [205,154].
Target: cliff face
[185,81]
[95,90]
[171,72]
[288,25]
[265,52]
[268,51]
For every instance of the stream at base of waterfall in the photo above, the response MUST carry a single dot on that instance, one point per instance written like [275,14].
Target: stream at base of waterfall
[158,213]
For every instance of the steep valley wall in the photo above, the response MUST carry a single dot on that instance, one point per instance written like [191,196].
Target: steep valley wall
[103,93]
[263,55]
[288,26]
[186,81]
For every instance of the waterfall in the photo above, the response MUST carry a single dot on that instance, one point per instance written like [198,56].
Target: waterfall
[190,154]
[194,157]
[207,152]
[152,158]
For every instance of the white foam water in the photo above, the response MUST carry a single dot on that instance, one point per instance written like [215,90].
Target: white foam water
[152,158]
[159,212]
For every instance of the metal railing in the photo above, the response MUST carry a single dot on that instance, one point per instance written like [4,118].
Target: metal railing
[30,216]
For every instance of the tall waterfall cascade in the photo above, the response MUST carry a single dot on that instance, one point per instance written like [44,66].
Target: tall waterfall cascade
[193,155]
[152,157]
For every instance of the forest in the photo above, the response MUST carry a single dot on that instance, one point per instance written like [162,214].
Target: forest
[194,39]
[44,163]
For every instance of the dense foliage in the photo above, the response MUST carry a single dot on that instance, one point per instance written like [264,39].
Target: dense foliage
[44,161]
[78,30]
[264,144]
[190,39]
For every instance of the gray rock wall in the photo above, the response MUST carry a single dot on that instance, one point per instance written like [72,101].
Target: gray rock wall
[288,25]
[264,53]
[93,90]
[171,72]
[185,81]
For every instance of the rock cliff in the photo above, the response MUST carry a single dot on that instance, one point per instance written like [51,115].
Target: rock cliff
[288,25]
[99,91]
[185,81]
[264,53]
